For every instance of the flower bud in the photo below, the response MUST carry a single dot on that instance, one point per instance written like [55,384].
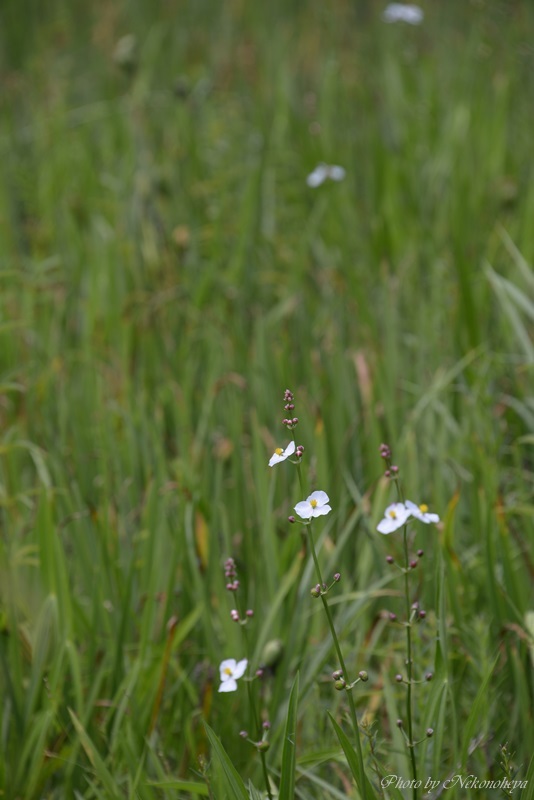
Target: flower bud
[422,614]
[291,519]
[429,676]
[340,684]
[413,563]
[420,553]
[398,678]
[243,734]
[390,559]
[316,591]
[249,612]
[337,674]
[392,616]
[399,723]
[266,725]
[337,577]
[429,732]
[363,676]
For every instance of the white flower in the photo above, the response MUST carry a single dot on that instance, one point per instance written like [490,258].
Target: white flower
[281,455]
[230,670]
[395,516]
[316,505]
[400,12]
[421,512]
[324,171]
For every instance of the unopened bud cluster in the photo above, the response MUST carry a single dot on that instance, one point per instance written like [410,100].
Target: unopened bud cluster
[290,422]
[392,469]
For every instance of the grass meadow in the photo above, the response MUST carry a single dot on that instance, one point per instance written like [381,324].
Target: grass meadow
[165,274]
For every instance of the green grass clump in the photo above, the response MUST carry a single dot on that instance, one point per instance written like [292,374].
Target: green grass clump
[165,273]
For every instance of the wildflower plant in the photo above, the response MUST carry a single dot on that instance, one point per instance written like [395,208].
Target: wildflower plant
[317,504]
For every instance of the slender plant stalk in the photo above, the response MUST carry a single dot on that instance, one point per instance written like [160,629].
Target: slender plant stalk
[409,664]
[408,623]
[352,706]
[256,722]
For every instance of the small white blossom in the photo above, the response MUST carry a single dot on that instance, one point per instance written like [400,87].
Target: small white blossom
[230,671]
[401,12]
[421,512]
[324,171]
[395,516]
[281,455]
[316,505]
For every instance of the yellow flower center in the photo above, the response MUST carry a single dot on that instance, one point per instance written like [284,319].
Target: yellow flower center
[393,514]
[278,451]
[227,671]
[423,508]
[313,503]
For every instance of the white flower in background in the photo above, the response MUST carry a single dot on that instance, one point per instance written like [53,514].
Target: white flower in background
[316,505]
[230,671]
[281,455]
[400,12]
[324,171]
[395,516]
[421,512]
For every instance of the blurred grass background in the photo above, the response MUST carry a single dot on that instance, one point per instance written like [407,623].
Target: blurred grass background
[165,273]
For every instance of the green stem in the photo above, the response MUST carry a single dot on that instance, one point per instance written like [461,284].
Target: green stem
[409,664]
[256,721]
[409,717]
[352,707]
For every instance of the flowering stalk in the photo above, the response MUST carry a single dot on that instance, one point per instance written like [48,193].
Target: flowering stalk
[317,505]
[346,683]
[231,671]
[398,515]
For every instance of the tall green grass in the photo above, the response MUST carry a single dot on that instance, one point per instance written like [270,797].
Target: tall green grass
[165,273]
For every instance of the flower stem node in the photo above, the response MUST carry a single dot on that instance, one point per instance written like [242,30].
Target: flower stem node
[363,676]
[263,746]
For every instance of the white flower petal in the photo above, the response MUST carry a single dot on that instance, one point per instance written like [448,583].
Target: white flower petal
[395,516]
[412,507]
[228,686]
[320,511]
[240,669]
[304,509]
[320,497]
[337,173]
[318,176]
[276,457]
[227,664]
[401,12]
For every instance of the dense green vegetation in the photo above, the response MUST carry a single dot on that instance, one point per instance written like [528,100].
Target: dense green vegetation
[165,274]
